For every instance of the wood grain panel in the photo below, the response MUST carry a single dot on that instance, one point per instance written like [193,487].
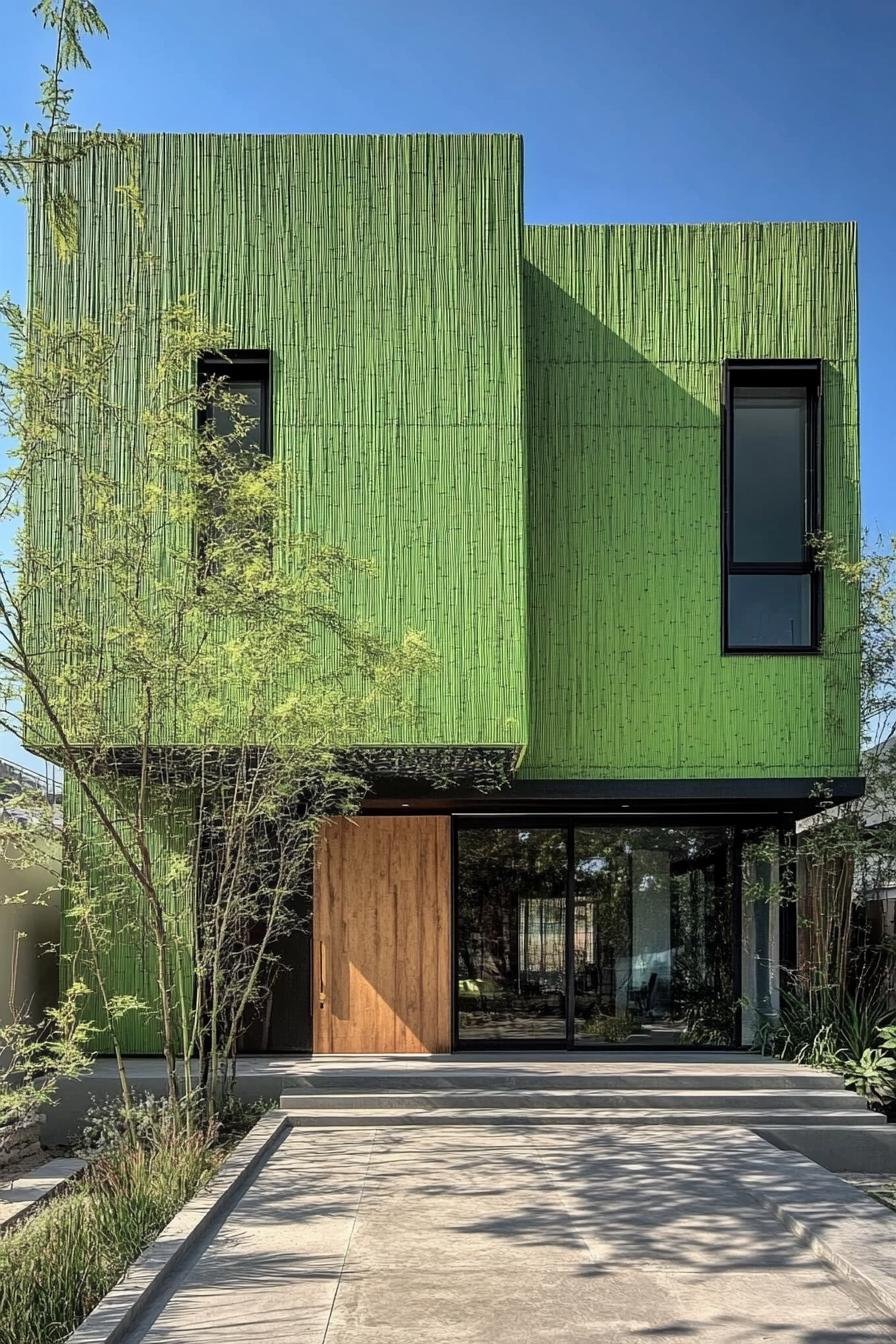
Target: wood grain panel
[382,945]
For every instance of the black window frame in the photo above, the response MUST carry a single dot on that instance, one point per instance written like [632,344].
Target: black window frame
[805,373]
[240,366]
[738,823]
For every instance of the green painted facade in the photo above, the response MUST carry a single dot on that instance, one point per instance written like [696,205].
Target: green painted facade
[384,274]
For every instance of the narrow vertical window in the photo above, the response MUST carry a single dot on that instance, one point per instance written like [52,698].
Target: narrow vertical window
[234,438]
[771,599]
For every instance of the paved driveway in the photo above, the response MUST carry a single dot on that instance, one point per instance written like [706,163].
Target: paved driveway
[504,1236]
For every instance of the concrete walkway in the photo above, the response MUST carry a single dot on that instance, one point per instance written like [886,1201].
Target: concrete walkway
[484,1236]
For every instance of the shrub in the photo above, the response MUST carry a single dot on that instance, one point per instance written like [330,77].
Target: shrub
[708,1019]
[153,1120]
[57,1265]
[819,1025]
[872,1075]
[34,1056]
[148,1122]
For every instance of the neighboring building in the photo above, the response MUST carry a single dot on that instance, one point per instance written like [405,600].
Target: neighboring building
[29,902]
[586,459]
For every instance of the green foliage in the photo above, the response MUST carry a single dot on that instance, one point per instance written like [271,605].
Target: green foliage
[820,1025]
[62,219]
[873,577]
[36,1056]
[152,1121]
[612,1027]
[70,20]
[59,1263]
[708,1019]
[149,1122]
[852,1035]
[35,154]
[872,1075]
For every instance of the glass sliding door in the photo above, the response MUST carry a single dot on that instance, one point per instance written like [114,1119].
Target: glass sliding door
[653,935]
[510,934]
[595,934]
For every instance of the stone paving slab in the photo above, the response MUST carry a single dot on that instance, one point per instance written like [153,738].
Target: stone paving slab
[126,1308]
[19,1195]
[576,1305]
[416,1237]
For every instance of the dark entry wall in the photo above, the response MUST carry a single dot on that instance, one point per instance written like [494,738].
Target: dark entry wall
[285,1026]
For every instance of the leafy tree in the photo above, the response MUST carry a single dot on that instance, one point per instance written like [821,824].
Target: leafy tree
[35,1056]
[846,854]
[34,151]
[172,644]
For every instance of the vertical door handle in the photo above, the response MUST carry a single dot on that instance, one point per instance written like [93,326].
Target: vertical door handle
[321,973]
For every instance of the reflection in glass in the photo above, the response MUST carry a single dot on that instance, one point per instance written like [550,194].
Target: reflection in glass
[769,465]
[760,950]
[650,937]
[652,940]
[511,933]
[250,412]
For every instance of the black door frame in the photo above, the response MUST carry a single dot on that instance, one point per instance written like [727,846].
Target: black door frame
[739,822]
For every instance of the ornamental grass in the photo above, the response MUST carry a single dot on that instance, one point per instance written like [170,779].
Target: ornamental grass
[57,1264]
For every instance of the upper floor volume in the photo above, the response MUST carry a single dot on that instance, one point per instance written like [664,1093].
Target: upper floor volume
[587,460]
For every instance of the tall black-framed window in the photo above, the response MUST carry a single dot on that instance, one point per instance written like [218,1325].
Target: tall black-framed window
[772,505]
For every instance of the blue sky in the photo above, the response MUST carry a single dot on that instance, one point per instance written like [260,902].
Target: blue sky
[631,110]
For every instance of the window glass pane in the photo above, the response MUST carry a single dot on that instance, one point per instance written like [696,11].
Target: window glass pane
[760,940]
[652,936]
[770,610]
[250,410]
[511,934]
[769,475]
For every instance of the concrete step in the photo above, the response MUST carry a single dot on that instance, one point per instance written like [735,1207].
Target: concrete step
[373,1116]
[839,1147]
[336,1080]
[593,1098]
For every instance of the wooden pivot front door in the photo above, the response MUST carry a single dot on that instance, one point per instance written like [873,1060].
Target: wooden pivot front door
[382,942]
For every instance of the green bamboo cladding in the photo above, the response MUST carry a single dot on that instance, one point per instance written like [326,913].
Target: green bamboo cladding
[519,425]
[625,332]
[384,274]
[103,915]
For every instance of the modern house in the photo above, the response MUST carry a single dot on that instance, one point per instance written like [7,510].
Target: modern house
[587,461]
